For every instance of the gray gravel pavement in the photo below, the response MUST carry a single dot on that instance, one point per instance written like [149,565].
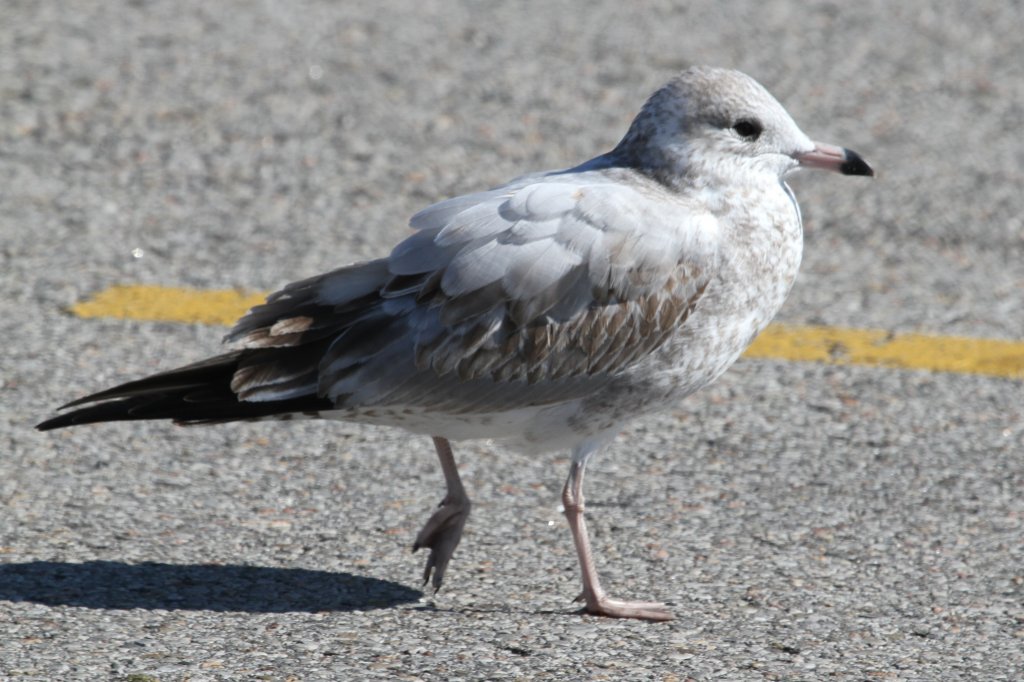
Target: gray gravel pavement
[807,522]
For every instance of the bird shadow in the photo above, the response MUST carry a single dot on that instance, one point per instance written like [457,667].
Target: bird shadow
[193,587]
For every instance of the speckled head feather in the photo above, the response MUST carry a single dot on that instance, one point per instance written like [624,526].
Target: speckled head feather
[692,130]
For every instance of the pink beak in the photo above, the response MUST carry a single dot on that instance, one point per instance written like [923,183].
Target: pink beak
[837,159]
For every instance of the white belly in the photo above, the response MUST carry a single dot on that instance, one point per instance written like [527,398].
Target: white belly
[530,429]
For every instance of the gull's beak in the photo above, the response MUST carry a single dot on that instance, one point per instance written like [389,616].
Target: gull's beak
[838,159]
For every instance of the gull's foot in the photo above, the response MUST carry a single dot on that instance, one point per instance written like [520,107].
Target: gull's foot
[617,608]
[441,534]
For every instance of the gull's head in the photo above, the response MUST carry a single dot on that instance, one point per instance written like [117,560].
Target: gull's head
[709,124]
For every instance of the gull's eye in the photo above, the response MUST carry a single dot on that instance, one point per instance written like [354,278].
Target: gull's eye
[748,129]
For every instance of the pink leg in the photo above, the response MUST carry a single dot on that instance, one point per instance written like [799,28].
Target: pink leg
[443,529]
[597,601]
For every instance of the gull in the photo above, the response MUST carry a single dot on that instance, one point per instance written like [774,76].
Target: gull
[545,313]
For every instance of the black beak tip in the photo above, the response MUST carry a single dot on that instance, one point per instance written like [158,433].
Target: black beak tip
[855,165]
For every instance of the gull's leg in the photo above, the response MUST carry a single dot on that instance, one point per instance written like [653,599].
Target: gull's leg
[443,529]
[598,603]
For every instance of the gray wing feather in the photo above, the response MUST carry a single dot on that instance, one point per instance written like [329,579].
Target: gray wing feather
[532,293]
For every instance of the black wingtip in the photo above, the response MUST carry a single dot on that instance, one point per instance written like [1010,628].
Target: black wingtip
[54,423]
[854,164]
[75,418]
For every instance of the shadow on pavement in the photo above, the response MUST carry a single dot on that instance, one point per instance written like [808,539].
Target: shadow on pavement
[255,589]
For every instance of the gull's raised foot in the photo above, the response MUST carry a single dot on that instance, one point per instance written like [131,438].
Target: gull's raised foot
[441,534]
[618,608]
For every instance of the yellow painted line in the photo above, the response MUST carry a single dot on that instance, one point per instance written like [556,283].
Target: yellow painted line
[876,348]
[833,345]
[169,304]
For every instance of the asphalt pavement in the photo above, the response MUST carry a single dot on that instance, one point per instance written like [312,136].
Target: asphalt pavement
[806,522]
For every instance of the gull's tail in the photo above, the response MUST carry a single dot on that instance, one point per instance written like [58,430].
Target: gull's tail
[195,394]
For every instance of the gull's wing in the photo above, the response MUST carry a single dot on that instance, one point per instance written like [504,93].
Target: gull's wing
[528,294]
